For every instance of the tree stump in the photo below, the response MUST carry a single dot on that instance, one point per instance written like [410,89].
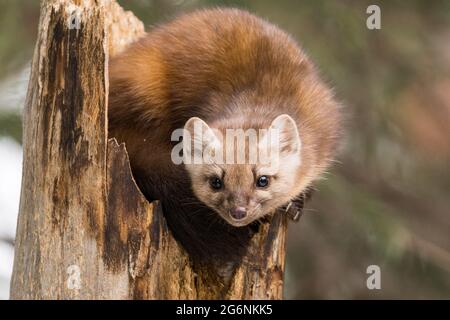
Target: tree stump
[85,231]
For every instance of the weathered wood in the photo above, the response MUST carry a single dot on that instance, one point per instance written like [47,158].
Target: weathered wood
[85,231]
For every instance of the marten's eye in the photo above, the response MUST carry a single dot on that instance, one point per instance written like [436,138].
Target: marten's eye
[262,182]
[216,183]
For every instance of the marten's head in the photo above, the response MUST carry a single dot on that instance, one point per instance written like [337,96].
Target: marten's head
[243,174]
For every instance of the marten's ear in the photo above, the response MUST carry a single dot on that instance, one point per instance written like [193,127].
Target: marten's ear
[200,138]
[290,142]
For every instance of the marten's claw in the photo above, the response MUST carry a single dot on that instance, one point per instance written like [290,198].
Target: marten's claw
[294,209]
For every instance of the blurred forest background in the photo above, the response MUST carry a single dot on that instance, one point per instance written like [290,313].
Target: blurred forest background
[386,202]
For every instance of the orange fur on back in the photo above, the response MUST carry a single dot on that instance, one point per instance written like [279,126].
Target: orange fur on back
[232,70]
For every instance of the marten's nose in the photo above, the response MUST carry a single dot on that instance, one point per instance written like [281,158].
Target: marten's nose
[238,213]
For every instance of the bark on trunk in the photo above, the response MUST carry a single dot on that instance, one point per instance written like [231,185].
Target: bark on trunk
[84,230]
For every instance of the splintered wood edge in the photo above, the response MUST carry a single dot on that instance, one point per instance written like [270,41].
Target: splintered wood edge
[123,27]
[159,268]
[119,151]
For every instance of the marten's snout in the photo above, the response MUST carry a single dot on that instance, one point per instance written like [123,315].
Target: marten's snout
[238,213]
[239,202]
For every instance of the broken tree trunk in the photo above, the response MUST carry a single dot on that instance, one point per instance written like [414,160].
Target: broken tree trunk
[85,231]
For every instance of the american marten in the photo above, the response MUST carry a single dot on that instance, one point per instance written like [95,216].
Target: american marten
[220,69]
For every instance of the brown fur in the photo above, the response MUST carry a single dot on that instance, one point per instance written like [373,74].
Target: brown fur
[232,70]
